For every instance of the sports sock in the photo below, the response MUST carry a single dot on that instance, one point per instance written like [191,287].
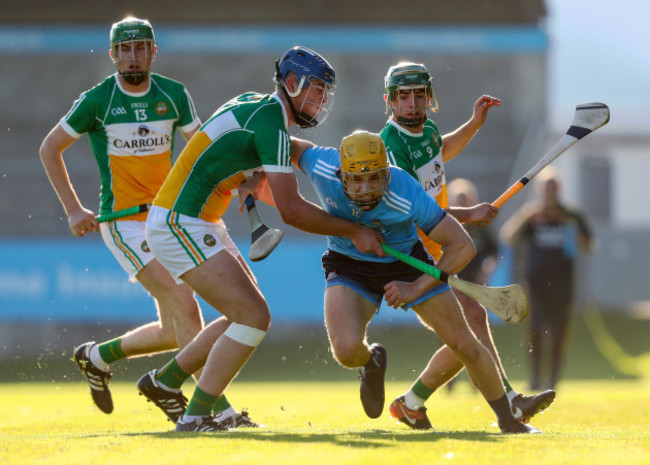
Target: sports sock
[111,351]
[509,391]
[501,407]
[171,375]
[201,403]
[417,395]
[222,405]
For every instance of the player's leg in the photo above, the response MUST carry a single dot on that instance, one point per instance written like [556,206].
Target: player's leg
[559,328]
[443,315]
[176,307]
[524,407]
[224,284]
[347,314]
[535,339]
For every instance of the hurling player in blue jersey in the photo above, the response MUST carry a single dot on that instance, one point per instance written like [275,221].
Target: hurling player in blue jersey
[357,184]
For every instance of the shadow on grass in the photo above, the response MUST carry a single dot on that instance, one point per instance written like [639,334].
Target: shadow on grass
[362,439]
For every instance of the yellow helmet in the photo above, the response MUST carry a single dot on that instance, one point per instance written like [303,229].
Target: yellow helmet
[364,168]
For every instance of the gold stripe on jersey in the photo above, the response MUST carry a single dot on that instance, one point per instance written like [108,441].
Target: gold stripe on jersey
[217,204]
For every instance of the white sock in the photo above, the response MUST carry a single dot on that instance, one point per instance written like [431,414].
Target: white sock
[225,414]
[97,359]
[511,395]
[412,401]
[167,388]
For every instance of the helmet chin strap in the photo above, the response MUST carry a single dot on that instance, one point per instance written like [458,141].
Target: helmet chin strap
[301,118]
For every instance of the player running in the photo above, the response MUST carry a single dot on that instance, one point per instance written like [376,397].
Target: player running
[247,135]
[131,120]
[414,143]
[357,184]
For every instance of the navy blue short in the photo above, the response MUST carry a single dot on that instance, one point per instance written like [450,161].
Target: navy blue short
[369,278]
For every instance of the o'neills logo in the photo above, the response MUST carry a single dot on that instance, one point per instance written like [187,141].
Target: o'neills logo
[162,108]
[144,142]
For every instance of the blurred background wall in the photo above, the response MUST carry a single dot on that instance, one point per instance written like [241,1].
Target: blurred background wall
[52,51]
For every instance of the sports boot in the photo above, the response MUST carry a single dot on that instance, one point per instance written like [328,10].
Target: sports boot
[205,424]
[240,420]
[512,426]
[415,419]
[97,378]
[526,407]
[372,381]
[173,404]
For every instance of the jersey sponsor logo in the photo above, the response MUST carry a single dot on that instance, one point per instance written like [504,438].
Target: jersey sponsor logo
[435,181]
[161,108]
[118,111]
[149,142]
[143,130]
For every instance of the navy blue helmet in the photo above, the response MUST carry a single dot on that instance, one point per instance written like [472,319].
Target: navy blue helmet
[309,69]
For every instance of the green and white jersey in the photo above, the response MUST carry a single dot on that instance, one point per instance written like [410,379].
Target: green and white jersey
[131,136]
[420,154]
[246,135]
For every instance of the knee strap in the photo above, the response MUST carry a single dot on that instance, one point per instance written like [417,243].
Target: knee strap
[246,335]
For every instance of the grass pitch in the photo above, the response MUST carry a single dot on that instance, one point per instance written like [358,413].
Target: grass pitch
[591,422]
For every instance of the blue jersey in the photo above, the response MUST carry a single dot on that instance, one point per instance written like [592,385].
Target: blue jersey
[404,205]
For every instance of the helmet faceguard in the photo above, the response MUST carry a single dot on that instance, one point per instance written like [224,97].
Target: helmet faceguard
[133,49]
[407,84]
[364,168]
[315,76]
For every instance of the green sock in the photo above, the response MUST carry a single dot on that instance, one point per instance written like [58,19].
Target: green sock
[201,403]
[111,351]
[420,390]
[221,404]
[506,384]
[171,375]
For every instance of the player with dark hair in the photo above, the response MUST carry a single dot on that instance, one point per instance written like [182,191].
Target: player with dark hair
[356,183]
[131,120]
[245,136]
[414,143]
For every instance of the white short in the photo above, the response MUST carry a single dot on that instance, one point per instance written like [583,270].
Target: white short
[182,242]
[126,241]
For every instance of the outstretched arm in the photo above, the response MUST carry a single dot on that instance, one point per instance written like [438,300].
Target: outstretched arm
[456,141]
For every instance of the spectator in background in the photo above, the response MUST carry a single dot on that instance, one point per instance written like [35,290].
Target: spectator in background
[551,235]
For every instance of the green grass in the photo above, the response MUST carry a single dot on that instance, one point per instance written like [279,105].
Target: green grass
[591,422]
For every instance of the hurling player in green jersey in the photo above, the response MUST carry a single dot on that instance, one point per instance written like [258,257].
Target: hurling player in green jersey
[414,143]
[131,120]
[245,136]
